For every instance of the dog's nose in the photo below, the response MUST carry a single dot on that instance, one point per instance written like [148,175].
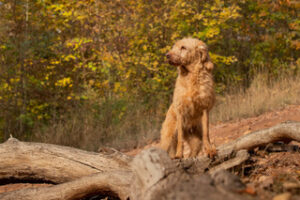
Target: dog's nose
[168,55]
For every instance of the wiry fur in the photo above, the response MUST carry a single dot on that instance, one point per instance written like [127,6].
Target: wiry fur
[193,98]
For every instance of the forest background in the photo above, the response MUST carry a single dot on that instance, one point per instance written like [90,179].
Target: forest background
[91,73]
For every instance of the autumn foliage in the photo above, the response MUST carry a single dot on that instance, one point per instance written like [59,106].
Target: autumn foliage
[69,62]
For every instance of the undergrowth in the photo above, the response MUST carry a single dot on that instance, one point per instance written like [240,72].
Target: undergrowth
[128,124]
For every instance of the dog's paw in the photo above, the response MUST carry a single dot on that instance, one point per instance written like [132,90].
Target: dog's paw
[178,155]
[210,150]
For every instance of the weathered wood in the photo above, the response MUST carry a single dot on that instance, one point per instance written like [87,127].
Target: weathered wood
[286,131]
[240,157]
[53,163]
[113,183]
[150,167]
[157,178]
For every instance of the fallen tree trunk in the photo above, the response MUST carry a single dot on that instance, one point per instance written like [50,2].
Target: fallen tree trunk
[114,184]
[149,175]
[53,163]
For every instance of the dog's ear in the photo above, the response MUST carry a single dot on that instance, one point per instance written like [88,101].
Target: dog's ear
[204,57]
[203,52]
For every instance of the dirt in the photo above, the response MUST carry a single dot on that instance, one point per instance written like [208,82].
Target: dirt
[267,174]
[224,132]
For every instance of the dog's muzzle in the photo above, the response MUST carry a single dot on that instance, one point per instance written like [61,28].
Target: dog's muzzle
[172,60]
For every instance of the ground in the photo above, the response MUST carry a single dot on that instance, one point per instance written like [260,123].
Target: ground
[267,174]
[224,132]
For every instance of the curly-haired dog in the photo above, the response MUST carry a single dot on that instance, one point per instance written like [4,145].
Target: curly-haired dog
[193,99]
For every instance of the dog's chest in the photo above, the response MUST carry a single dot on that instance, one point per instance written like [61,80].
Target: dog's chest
[187,100]
[193,93]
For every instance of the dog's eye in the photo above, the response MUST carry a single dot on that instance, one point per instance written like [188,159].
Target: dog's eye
[183,48]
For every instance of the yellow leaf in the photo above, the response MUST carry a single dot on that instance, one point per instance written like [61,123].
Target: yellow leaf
[117,86]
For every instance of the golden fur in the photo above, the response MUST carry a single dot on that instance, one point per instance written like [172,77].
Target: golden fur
[192,100]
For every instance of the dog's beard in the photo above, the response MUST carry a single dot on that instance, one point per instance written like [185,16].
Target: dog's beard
[171,62]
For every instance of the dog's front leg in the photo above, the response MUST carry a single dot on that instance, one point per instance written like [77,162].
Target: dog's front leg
[209,149]
[168,142]
[179,149]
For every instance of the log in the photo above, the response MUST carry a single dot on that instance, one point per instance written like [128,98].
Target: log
[154,176]
[158,178]
[37,162]
[286,131]
[113,184]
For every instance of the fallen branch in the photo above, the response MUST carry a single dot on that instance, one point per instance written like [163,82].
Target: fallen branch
[241,156]
[286,131]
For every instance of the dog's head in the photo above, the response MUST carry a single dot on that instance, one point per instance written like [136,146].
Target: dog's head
[189,51]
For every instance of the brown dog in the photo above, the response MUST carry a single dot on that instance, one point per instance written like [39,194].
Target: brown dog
[193,99]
